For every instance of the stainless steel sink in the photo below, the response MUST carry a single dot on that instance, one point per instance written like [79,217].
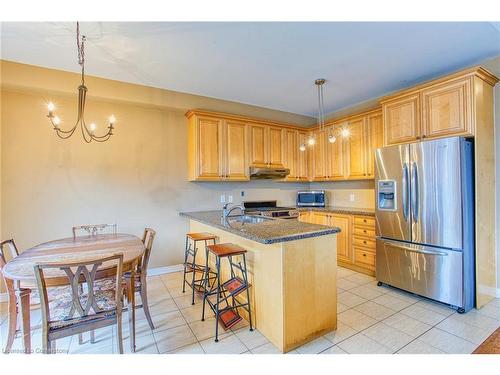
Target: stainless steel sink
[247,219]
[240,221]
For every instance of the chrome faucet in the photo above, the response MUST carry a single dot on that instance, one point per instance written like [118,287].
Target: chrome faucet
[226,211]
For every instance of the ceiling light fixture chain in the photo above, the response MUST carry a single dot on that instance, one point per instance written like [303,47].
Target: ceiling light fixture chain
[88,133]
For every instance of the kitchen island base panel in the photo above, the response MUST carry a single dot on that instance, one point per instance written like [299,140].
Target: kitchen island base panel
[293,288]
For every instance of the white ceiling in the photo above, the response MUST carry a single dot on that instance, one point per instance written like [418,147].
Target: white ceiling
[271,65]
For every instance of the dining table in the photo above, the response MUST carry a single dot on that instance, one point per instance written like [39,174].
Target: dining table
[19,272]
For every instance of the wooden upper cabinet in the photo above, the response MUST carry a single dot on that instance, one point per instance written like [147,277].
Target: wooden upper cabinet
[302,169]
[402,119]
[266,146]
[375,139]
[235,156]
[209,141]
[294,159]
[291,151]
[258,145]
[441,108]
[335,155]
[275,146]
[318,157]
[217,149]
[447,109]
[356,148]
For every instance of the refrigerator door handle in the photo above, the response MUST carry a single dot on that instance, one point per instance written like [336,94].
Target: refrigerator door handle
[414,192]
[419,251]
[404,188]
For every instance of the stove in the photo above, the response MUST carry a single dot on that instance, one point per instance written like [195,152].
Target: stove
[270,209]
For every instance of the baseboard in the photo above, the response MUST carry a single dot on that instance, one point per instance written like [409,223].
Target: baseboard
[151,272]
[163,270]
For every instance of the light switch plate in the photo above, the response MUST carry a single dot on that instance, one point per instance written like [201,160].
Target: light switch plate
[352,198]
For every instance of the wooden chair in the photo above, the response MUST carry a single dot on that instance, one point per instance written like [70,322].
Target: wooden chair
[58,317]
[94,229]
[141,285]
[14,296]
[141,273]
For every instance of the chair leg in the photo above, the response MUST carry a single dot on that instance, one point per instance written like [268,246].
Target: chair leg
[25,312]
[131,306]
[217,309]
[185,265]
[205,283]
[47,347]
[144,298]
[13,311]
[194,272]
[119,333]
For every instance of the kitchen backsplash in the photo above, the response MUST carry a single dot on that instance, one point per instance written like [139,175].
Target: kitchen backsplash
[344,194]
[349,193]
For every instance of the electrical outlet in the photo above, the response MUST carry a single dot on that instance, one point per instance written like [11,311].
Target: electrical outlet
[242,193]
[352,197]
[230,199]
[223,198]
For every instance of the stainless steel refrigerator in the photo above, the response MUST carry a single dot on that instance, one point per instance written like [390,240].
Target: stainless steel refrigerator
[425,219]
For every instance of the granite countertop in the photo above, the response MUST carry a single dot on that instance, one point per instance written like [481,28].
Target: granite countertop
[341,210]
[267,232]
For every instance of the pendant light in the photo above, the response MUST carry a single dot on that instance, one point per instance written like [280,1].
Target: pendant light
[88,133]
[311,141]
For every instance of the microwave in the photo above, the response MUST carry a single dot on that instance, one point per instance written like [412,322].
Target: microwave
[311,198]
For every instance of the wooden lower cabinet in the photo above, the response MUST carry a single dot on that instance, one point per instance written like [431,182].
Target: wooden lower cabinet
[356,246]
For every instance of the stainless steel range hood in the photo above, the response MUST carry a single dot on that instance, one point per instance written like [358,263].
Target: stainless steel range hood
[257,173]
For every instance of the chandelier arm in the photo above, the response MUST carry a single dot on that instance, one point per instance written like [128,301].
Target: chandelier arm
[59,130]
[92,135]
[66,136]
[85,132]
[101,136]
[102,139]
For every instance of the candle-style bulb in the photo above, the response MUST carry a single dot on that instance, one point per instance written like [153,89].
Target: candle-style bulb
[92,127]
[311,141]
[112,119]
[302,147]
[51,107]
[56,121]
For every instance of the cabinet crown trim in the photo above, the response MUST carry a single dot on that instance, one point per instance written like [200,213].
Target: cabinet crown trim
[246,119]
[477,71]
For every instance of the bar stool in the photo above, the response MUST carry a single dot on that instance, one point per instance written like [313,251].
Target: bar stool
[226,293]
[190,265]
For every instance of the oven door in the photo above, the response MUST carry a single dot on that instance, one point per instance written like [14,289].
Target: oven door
[311,199]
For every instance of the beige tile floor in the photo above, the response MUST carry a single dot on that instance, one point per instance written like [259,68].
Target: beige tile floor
[371,319]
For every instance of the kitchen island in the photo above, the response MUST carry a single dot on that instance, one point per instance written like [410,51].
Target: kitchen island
[292,271]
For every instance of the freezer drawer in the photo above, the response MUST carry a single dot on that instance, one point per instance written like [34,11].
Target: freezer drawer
[430,272]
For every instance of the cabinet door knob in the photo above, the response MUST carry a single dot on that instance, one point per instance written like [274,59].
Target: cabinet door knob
[364,254]
[364,231]
[364,242]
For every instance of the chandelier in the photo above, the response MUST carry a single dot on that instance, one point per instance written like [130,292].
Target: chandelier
[321,118]
[88,133]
